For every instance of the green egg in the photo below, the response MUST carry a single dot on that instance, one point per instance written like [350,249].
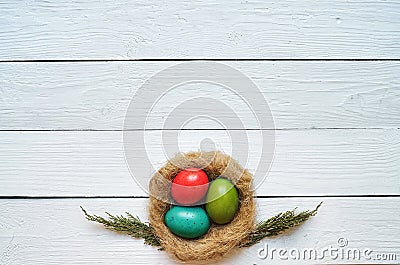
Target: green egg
[187,222]
[222,201]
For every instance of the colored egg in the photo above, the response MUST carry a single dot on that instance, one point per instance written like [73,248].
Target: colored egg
[222,201]
[187,222]
[189,186]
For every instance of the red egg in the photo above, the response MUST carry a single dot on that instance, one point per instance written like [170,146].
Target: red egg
[189,186]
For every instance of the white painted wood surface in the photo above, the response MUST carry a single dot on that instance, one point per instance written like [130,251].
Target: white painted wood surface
[307,162]
[61,122]
[56,232]
[199,29]
[301,94]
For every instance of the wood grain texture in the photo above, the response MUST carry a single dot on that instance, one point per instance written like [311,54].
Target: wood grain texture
[307,162]
[56,232]
[194,29]
[80,96]
[61,122]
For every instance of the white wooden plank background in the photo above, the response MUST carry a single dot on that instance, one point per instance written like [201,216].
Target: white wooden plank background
[56,232]
[199,29]
[64,93]
[301,94]
[307,162]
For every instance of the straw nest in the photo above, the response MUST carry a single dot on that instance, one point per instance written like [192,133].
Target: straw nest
[220,239]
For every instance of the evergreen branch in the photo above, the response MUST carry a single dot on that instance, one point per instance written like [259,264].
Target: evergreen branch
[277,224]
[130,225]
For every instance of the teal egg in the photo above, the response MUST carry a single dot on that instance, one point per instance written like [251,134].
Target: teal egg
[187,222]
[222,201]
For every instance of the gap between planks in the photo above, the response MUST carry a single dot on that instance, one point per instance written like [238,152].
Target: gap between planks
[197,129]
[146,197]
[201,59]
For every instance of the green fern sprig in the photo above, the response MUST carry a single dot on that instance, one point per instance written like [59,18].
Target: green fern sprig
[134,227]
[130,225]
[277,224]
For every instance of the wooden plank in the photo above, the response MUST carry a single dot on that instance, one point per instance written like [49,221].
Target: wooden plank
[95,96]
[187,29]
[56,232]
[307,162]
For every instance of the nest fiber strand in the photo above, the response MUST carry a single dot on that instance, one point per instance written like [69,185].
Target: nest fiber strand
[220,239]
